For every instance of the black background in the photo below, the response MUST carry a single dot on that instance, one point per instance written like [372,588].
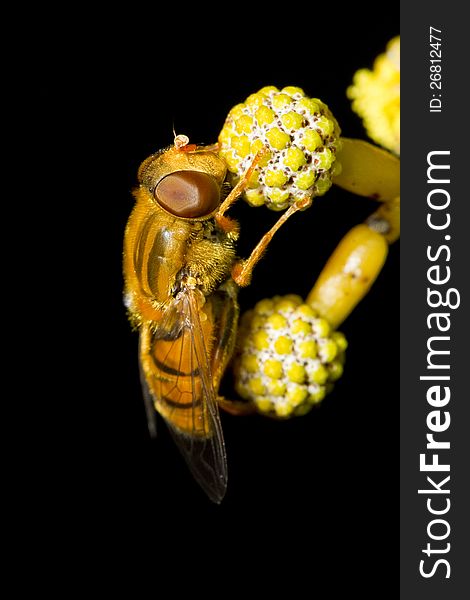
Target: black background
[312,502]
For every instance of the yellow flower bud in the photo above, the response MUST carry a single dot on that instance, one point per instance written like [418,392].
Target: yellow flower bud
[241,144]
[292,89]
[277,321]
[277,138]
[283,345]
[292,120]
[308,349]
[305,180]
[263,404]
[256,386]
[273,368]
[280,101]
[302,138]
[309,105]
[297,394]
[264,115]
[264,307]
[250,363]
[287,358]
[260,339]
[275,178]
[300,326]
[295,158]
[296,373]
[317,374]
[311,139]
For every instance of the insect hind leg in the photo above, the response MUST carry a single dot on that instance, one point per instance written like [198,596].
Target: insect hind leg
[238,408]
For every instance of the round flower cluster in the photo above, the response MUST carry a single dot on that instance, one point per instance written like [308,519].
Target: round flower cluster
[287,358]
[300,139]
[375,97]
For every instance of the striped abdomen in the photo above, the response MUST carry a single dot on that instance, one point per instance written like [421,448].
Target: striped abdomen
[173,371]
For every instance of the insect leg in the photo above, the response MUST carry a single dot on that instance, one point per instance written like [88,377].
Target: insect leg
[243,270]
[238,190]
[239,408]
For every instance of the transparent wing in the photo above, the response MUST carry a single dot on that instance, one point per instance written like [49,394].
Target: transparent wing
[149,404]
[205,456]
[182,387]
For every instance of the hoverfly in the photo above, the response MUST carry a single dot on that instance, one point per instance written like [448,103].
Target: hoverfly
[181,281]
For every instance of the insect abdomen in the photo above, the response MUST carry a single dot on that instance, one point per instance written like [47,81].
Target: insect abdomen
[172,375]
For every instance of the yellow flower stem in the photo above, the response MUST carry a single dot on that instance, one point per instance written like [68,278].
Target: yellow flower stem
[348,274]
[368,170]
[386,220]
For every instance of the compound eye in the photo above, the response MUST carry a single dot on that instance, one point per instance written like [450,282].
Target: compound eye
[188,194]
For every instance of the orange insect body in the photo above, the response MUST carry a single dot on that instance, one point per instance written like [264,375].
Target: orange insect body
[181,278]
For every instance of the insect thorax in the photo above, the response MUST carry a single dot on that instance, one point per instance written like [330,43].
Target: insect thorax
[209,258]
